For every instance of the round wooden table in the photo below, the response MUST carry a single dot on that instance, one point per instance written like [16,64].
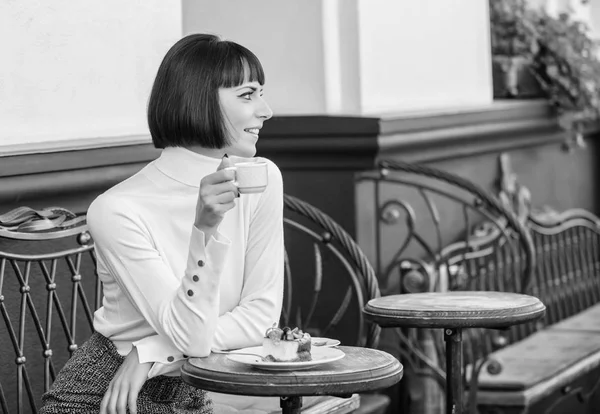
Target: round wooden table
[453,311]
[360,370]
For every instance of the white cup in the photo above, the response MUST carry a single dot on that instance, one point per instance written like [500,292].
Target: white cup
[250,176]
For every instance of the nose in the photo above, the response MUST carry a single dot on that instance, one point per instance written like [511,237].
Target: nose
[263,110]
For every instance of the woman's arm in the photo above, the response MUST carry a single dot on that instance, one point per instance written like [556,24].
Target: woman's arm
[261,298]
[181,309]
[262,295]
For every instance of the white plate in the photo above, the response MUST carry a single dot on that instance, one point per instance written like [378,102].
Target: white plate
[320,356]
[323,342]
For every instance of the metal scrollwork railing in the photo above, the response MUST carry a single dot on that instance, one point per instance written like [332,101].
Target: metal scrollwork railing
[488,207]
[42,248]
[323,234]
[437,231]
[48,270]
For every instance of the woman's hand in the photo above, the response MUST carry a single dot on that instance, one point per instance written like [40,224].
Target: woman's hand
[215,198]
[124,388]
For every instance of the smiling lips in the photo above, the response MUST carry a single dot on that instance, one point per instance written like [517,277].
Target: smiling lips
[253,131]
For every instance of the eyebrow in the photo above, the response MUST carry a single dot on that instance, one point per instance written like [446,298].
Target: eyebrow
[254,88]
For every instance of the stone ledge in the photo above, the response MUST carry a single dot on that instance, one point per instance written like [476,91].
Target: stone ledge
[501,126]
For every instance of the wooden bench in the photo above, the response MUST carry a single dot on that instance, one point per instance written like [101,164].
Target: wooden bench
[449,234]
[49,290]
[557,368]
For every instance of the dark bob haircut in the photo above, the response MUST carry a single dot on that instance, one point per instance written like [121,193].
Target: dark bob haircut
[184,107]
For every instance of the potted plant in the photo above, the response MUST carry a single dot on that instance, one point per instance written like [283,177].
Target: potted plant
[512,44]
[536,54]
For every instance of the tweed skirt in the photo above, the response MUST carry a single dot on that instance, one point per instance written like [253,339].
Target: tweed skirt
[81,384]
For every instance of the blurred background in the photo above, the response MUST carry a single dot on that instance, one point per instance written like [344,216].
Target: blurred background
[455,84]
[349,81]
[447,82]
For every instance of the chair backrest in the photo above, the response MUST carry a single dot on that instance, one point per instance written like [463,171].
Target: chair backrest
[567,246]
[328,278]
[47,274]
[436,231]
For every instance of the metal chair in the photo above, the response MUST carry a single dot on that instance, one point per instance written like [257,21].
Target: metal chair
[47,271]
[322,258]
[448,235]
[328,282]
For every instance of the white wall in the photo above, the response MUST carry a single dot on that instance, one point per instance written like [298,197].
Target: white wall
[594,14]
[424,54]
[285,35]
[359,56]
[341,56]
[80,69]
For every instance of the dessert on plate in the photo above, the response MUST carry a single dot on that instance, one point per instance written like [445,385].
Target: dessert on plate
[286,345]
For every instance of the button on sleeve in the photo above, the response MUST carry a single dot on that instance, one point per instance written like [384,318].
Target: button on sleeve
[158,349]
[125,248]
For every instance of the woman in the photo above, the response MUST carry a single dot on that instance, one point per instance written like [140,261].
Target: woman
[188,265]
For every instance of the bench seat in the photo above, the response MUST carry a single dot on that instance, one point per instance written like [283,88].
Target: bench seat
[587,320]
[547,366]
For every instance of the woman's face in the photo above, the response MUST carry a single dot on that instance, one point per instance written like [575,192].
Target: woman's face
[244,110]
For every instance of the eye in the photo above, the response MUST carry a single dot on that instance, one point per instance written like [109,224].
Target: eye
[247,96]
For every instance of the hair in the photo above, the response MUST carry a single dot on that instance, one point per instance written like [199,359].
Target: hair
[184,107]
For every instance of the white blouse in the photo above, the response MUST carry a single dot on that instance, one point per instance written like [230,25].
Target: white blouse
[167,293]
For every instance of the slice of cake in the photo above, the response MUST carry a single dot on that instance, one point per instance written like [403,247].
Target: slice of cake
[286,345]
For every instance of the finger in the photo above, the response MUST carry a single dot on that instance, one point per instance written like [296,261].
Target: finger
[226,198]
[215,203]
[106,400]
[220,209]
[225,162]
[112,406]
[104,403]
[220,176]
[122,401]
[207,194]
[133,401]
[224,188]
[225,207]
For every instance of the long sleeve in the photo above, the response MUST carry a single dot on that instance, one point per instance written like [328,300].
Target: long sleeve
[183,309]
[262,294]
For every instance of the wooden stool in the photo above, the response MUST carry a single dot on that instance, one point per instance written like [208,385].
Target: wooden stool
[453,311]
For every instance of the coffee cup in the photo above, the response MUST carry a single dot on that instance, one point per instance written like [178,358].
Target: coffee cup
[250,176]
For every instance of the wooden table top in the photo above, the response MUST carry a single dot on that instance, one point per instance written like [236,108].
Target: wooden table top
[458,309]
[361,369]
